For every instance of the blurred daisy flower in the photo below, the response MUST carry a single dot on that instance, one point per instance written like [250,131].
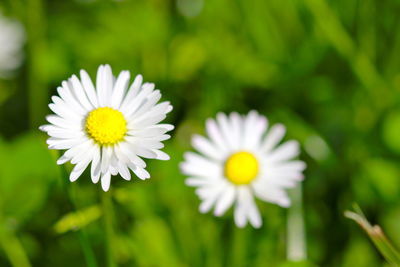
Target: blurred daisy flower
[242,160]
[12,37]
[108,126]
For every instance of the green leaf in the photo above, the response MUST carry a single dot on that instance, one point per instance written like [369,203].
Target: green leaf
[78,219]
[27,170]
[377,236]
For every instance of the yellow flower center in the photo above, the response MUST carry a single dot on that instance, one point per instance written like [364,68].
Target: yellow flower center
[106,126]
[241,168]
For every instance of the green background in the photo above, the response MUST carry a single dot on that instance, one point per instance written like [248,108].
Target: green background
[328,70]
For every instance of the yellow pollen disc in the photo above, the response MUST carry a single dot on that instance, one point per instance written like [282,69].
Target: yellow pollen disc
[106,126]
[241,168]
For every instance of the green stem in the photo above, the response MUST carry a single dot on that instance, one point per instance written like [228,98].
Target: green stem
[36,48]
[82,236]
[108,223]
[14,250]
[296,240]
[377,236]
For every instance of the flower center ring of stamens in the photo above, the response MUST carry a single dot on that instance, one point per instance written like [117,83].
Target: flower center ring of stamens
[241,168]
[106,126]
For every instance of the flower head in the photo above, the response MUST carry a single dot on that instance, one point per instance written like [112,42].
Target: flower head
[12,38]
[239,161]
[108,125]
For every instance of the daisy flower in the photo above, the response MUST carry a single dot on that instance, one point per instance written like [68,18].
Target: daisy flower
[239,161]
[12,38]
[108,125]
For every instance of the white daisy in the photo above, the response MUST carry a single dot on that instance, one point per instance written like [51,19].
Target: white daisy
[108,126]
[12,38]
[242,160]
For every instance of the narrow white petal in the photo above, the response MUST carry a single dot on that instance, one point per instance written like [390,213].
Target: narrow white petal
[132,93]
[137,101]
[95,170]
[100,86]
[89,88]
[147,121]
[225,201]
[209,195]
[66,110]
[79,92]
[226,130]
[124,171]
[78,170]
[141,173]
[105,181]
[107,82]
[271,194]
[124,150]
[273,137]
[286,151]
[64,143]
[69,98]
[236,134]
[149,103]
[63,123]
[215,134]
[254,214]
[255,131]
[202,181]
[160,155]
[105,158]
[197,165]
[208,149]
[119,89]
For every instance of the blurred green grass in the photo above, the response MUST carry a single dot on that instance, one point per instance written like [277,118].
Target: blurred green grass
[329,70]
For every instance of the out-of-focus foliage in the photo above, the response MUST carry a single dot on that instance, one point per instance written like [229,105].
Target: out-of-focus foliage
[329,70]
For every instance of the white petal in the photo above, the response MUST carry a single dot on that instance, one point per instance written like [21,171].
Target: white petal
[89,88]
[79,92]
[225,201]
[254,215]
[226,130]
[215,134]
[209,195]
[160,155]
[124,150]
[124,171]
[95,170]
[246,208]
[141,173]
[63,123]
[205,147]
[105,158]
[236,126]
[286,151]
[273,137]
[146,121]
[202,181]
[137,101]
[105,181]
[63,110]
[100,86]
[132,93]
[69,98]
[75,150]
[119,89]
[149,103]
[78,170]
[271,194]
[255,131]
[196,165]
[64,143]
